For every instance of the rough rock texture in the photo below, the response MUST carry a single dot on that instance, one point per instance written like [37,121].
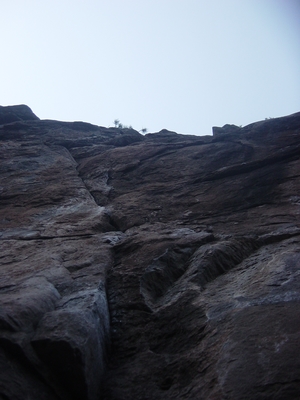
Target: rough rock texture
[149,267]
[16,113]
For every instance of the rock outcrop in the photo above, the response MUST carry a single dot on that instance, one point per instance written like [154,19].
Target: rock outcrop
[16,113]
[163,266]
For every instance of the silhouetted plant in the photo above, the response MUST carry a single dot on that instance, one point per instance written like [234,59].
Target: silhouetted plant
[119,125]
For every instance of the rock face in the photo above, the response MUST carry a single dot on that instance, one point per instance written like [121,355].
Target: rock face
[16,113]
[163,266]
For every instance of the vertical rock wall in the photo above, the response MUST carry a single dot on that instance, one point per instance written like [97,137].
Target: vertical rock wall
[162,266]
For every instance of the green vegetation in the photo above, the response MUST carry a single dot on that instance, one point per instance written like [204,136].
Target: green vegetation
[119,125]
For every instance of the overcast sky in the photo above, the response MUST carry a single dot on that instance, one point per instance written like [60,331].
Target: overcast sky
[183,65]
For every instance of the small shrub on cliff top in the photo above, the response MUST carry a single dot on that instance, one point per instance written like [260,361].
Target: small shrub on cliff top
[121,126]
[118,124]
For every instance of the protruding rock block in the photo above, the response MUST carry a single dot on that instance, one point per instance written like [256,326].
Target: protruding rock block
[10,114]
[73,343]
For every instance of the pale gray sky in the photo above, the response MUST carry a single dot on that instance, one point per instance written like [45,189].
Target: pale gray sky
[183,65]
